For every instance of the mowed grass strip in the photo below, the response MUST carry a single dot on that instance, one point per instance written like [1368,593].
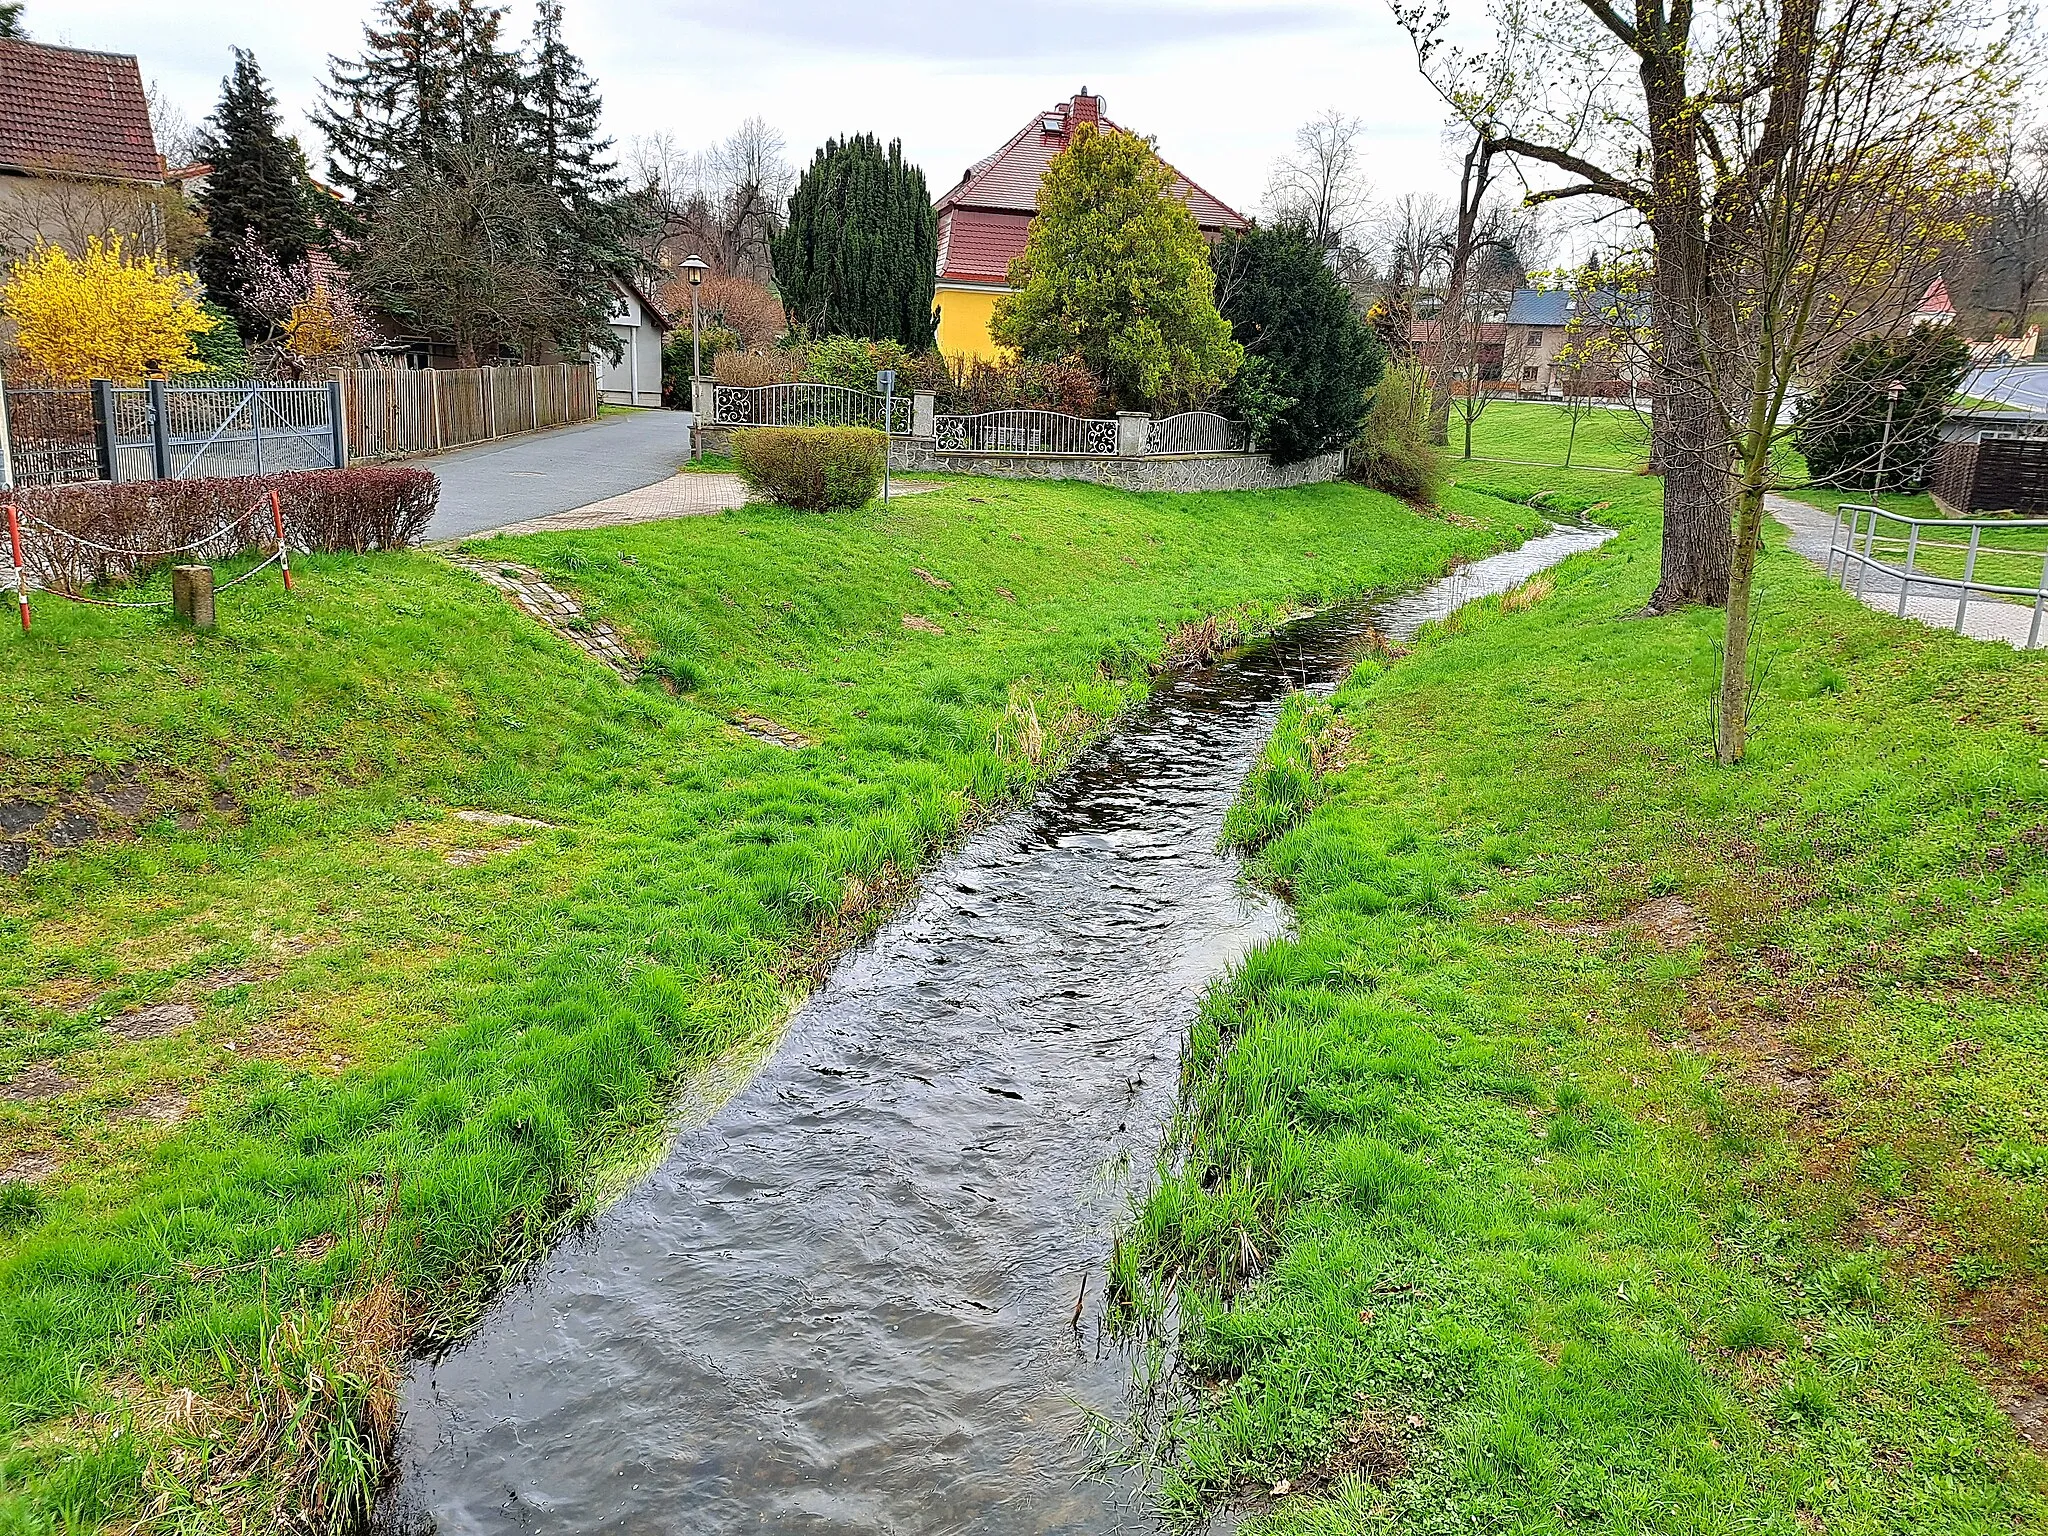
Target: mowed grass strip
[1626,1143]
[298,1065]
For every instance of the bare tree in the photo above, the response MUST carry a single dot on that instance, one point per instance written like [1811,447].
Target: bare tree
[1321,185]
[724,203]
[177,138]
[2014,245]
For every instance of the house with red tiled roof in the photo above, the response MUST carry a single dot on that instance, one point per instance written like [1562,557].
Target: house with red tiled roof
[78,157]
[985,217]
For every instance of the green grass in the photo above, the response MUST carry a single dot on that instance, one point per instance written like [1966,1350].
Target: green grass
[1535,432]
[420,1045]
[1624,1143]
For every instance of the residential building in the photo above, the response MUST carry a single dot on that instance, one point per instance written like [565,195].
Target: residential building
[78,157]
[1571,342]
[983,220]
[640,327]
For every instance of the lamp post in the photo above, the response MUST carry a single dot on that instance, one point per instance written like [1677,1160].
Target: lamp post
[1892,391]
[696,266]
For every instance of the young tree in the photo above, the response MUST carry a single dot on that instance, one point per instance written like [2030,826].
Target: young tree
[1115,272]
[859,253]
[257,193]
[1292,315]
[108,315]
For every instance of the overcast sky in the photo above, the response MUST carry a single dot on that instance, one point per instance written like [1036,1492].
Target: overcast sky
[1222,83]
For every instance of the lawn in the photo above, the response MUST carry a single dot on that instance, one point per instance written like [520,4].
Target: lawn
[1536,432]
[1624,1143]
[412,916]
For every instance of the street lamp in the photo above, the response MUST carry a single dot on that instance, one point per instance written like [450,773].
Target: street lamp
[1892,391]
[696,266]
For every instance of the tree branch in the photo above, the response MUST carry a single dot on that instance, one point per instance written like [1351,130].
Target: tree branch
[1604,183]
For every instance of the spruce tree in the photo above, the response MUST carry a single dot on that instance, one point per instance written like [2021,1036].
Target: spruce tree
[859,254]
[10,20]
[257,190]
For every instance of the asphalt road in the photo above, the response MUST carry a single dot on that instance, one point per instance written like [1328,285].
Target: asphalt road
[540,473]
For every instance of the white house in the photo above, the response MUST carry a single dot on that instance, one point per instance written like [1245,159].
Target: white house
[635,379]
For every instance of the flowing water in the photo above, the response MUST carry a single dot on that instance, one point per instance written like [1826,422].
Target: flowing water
[847,1301]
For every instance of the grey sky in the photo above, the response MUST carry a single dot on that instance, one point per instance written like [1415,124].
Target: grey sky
[1221,83]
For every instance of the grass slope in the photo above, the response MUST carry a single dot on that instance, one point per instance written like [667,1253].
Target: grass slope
[394,1051]
[1624,1143]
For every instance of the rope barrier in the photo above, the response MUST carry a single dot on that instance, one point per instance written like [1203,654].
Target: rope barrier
[280,556]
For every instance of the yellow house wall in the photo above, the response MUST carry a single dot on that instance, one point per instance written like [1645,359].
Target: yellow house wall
[963,320]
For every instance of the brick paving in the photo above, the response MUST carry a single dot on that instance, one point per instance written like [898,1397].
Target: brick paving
[536,596]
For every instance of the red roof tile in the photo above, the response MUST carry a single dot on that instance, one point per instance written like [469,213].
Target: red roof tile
[1006,182]
[67,110]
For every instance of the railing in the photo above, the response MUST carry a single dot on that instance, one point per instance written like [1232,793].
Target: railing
[807,405]
[1196,432]
[1019,431]
[2001,558]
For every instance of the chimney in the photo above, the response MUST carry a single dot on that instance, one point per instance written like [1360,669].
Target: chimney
[1085,108]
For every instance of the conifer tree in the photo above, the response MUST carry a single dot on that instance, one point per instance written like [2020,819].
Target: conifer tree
[257,191]
[10,20]
[859,255]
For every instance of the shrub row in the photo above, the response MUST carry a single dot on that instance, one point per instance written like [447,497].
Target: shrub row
[963,385]
[814,469]
[144,524]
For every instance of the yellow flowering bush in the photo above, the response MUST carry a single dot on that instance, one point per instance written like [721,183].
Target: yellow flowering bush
[107,316]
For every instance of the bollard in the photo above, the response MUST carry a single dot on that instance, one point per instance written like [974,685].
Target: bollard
[192,594]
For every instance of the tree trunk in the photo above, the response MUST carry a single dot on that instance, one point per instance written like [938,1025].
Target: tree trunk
[1731,722]
[1697,545]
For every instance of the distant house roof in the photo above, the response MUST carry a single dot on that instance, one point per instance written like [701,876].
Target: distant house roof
[984,216]
[1537,306]
[1936,300]
[73,112]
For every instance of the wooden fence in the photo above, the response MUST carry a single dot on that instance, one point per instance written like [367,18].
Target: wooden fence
[1993,474]
[423,410]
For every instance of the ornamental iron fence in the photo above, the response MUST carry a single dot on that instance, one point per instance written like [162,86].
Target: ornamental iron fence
[1021,431]
[1196,432]
[808,405]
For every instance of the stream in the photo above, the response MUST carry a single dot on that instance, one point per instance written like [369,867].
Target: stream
[846,1301]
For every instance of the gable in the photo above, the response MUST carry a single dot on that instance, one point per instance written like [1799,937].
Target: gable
[71,112]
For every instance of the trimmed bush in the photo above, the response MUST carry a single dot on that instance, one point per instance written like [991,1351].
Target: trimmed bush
[145,524]
[814,469]
[1392,451]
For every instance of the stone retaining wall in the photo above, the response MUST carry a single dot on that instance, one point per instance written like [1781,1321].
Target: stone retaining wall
[1150,472]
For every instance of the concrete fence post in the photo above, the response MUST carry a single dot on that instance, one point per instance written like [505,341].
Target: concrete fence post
[192,594]
[1131,430]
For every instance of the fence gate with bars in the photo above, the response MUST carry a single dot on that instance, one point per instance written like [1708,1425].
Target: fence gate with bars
[159,431]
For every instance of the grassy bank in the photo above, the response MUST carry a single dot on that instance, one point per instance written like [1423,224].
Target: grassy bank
[1624,1143]
[405,917]
[1537,432]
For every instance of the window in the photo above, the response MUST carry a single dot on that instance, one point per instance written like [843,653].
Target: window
[1535,337]
[1529,374]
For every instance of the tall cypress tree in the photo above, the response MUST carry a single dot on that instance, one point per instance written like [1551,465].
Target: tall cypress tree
[859,255]
[257,190]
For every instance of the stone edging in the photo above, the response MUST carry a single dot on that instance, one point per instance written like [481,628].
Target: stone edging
[532,593]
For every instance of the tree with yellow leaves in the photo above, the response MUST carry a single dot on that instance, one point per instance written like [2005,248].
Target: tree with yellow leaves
[108,316]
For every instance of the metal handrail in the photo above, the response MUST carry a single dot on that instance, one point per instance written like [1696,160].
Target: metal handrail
[1859,520]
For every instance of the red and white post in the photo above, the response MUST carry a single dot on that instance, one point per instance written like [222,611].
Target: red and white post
[284,556]
[20,566]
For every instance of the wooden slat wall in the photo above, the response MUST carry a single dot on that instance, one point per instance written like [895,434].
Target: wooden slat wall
[1999,474]
[422,410]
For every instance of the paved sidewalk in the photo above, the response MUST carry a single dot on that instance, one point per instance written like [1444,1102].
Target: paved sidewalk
[1986,618]
[687,495]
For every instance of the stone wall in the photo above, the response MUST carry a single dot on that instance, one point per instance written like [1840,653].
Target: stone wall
[1158,472]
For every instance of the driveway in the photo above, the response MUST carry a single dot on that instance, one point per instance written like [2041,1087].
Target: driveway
[542,473]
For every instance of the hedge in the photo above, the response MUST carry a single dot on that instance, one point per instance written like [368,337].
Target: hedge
[144,524]
[814,469]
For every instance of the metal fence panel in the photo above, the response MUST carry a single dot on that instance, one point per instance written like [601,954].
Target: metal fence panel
[1196,432]
[51,439]
[200,431]
[807,405]
[1021,431]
